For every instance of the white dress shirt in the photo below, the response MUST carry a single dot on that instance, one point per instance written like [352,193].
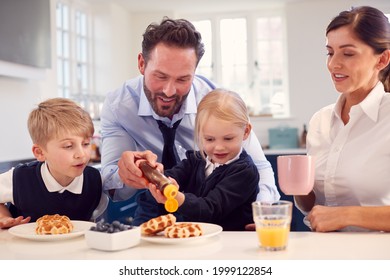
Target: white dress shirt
[352,160]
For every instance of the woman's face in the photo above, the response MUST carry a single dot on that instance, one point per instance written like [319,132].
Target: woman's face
[352,63]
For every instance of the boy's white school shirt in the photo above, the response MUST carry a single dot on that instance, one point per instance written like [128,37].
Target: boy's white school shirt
[6,186]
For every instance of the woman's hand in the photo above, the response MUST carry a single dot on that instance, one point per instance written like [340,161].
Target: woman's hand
[326,218]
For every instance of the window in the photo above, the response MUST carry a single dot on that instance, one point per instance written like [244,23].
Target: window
[82,53]
[63,45]
[205,66]
[248,57]
[268,88]
[74,63]
[234,54]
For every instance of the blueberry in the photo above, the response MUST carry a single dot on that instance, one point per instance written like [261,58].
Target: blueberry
[116,224]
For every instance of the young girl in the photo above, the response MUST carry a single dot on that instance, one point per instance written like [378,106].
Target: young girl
[219,182]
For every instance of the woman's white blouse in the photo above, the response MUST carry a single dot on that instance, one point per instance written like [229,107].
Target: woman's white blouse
[352,160]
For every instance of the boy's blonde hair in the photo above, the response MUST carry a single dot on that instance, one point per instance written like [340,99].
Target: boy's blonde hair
[224,105]
[54,117]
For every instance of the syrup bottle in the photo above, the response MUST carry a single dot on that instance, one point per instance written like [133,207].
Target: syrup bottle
[163,184]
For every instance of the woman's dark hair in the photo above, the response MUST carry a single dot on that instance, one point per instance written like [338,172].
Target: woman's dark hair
[372,27]
[179,33]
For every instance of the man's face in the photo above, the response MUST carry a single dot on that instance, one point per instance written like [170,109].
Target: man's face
[168,77]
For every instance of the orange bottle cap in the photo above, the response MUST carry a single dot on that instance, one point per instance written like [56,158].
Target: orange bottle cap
[171,205]
[170,191]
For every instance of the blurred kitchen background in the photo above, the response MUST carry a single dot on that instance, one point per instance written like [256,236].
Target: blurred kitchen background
[272,52]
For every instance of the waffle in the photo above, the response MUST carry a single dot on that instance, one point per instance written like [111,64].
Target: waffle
[183,230]
[53,224]
[158,224]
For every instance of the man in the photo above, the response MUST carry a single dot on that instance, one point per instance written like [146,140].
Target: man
[167,91]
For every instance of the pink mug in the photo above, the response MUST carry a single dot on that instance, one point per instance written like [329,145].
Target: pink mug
[296,174]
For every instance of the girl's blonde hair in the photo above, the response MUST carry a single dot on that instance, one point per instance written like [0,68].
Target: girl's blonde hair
[54,117]
[224,105]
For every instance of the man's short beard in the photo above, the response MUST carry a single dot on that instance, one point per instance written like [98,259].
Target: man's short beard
[163,113]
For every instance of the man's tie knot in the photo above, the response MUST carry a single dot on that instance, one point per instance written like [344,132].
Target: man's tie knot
[169,155]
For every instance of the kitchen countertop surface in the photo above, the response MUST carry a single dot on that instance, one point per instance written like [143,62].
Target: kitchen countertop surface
[225,245]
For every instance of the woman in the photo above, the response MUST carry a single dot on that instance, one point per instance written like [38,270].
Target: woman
[351,138]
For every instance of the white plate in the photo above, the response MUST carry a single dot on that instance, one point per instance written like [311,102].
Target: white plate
[209,230]
[28,231]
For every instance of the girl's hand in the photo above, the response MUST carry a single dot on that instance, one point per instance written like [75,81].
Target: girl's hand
[156,193]
[180,197]
[159,196]
[250,227]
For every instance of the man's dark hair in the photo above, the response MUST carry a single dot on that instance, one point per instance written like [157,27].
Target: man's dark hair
[172,32]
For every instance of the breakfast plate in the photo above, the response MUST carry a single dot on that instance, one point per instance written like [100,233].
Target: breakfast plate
[27,231]
[209,230]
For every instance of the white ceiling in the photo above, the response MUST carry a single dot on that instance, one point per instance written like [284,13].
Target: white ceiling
[192,5]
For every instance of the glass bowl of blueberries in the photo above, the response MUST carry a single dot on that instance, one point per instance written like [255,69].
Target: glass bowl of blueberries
[113,236]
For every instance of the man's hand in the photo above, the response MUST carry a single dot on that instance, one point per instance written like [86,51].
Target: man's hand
[129,171]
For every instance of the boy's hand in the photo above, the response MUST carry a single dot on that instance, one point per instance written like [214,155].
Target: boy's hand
[7,222]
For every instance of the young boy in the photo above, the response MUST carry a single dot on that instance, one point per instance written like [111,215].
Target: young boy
[60,180]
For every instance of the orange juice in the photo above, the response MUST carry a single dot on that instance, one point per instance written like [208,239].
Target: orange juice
[273,234]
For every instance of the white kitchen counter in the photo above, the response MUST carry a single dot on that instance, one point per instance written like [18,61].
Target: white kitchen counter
[284,151]
[224,246]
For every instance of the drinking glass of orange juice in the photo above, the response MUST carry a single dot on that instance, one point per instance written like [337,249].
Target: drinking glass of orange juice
[272,222]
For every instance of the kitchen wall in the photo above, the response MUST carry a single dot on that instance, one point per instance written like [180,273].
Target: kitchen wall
[118,34]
